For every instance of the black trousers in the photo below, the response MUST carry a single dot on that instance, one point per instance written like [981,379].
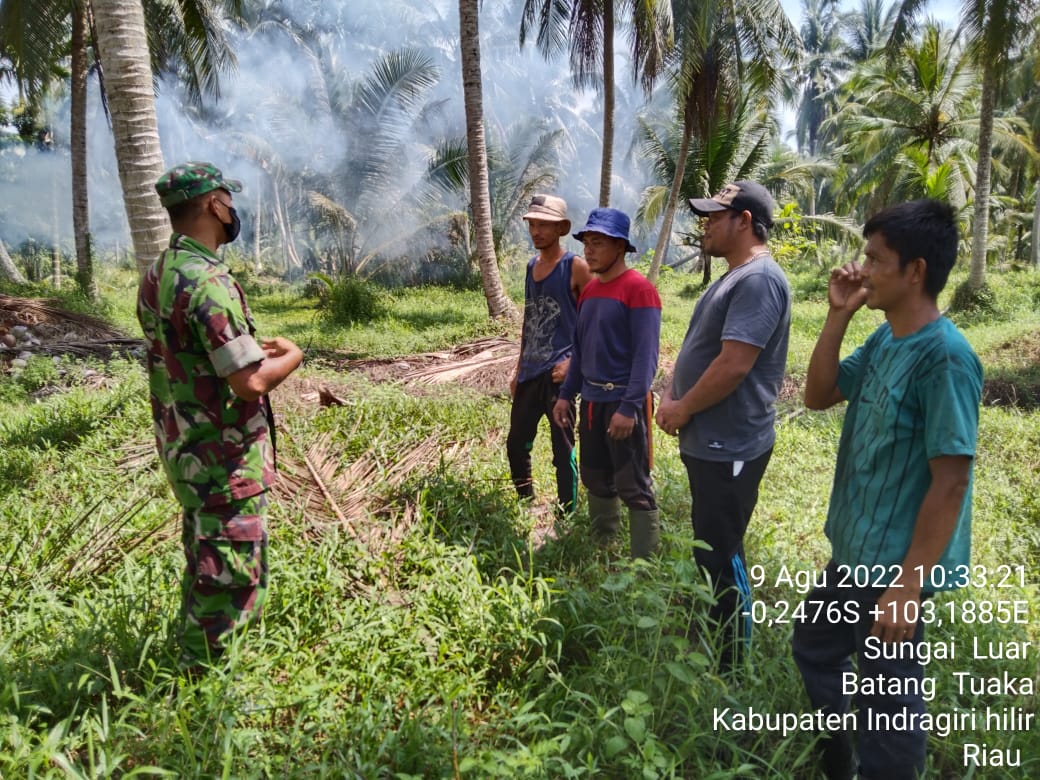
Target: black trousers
[823,650]
[616,468]
[723,496]
[533,400]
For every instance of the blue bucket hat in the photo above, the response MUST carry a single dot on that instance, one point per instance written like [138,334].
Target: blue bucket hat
[609,222]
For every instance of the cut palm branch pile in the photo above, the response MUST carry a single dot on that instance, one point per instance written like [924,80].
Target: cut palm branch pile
[324,495]
[100,348]
[327,493]
[47,317]
[485,364]
[41,326]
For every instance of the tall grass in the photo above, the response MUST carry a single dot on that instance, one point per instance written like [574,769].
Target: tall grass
[463,650]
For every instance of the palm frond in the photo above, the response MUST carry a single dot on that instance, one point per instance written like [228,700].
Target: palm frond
[550,20]
[33,36]
[448,166]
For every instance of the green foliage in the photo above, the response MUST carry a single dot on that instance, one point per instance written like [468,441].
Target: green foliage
[976,304]
[462,649]
[349,299]
[799,239]
[18,386]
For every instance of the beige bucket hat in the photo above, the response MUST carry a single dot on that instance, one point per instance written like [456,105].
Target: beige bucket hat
[549,208]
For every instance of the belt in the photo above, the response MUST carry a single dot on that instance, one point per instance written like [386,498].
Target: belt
[608,386]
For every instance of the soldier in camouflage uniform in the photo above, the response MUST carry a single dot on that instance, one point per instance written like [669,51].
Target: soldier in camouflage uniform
[208,380]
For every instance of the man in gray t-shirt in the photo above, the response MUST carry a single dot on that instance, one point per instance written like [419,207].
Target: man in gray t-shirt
[722,399]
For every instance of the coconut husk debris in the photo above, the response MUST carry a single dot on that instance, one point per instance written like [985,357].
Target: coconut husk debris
[40,326]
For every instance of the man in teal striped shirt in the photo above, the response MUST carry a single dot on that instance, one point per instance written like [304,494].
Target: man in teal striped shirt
[899,520]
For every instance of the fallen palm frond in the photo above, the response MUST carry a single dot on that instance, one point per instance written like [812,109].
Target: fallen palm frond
[479,352]
[113,540]
[47,312]
[495,353]
[87,544]
[345,497]
[136,455]
[484,364]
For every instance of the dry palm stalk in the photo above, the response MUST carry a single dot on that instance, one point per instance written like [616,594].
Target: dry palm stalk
[441,374]
[92,348]
[96,544]
[137,455]
[480,345]
[475,353]
[499,355]
[114,539]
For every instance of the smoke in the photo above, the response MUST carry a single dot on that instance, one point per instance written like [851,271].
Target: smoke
[281,115]
[36,184]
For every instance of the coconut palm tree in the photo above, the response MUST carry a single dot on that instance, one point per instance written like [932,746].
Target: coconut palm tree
[499,304]
[1027,100]
[738,142]
[866,29]
[35,41]
[904,120]
[8,270]
[993,29]
[912,127]
[722,50]
[587,28]
[822,71]
[78,136]
[521,162]
[187,37]
[1017,168]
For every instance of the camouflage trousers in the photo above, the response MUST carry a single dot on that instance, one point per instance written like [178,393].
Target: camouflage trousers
[225,580]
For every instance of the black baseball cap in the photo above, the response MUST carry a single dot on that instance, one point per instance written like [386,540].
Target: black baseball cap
[739,196]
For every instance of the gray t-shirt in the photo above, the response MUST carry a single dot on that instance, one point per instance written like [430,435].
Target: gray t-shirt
[750,304]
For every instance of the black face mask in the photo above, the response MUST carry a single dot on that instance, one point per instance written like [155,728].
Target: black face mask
[234,227]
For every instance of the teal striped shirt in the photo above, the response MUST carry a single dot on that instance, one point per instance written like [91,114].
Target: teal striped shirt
[911,399]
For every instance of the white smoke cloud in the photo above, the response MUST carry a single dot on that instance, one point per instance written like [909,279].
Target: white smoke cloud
[275,99]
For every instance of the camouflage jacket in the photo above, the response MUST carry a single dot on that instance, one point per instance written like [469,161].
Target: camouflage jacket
[214,446]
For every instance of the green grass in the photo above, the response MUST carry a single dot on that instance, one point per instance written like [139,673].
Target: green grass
[459,650]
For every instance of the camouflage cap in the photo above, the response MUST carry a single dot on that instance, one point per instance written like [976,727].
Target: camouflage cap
[185,181]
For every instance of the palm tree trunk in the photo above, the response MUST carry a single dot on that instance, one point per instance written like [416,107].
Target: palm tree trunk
[56,275]
[499,304]
[8,270]
[78,136]
[1036,229]
[673,201]
[123,51]
[292,257]
[259,211]
[606,170]
[980,221]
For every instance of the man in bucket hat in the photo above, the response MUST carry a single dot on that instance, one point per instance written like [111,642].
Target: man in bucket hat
[555,279]
[613,365]
[208,380]
[722,399]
